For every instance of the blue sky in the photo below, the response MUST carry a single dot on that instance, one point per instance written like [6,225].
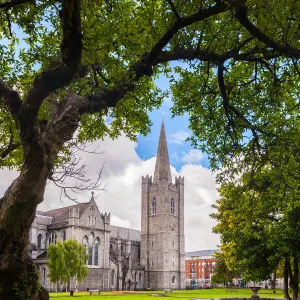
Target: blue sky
[176,129]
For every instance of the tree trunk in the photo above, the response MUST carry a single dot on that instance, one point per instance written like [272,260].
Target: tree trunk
[286,280]
[295,278]
[19,276]
[273,282]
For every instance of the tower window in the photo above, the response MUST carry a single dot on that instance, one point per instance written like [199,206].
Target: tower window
[154,207]
[152,263]
[152,243]
[172,207]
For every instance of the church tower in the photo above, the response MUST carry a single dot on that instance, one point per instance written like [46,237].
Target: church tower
[162,236]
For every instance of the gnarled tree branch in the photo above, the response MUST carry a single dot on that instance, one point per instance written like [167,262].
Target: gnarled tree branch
[10,97]
[241,15]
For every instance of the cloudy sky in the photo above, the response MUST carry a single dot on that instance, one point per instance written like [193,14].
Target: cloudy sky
[126,162]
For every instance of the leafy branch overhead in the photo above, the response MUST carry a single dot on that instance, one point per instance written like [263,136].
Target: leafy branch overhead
[100,60]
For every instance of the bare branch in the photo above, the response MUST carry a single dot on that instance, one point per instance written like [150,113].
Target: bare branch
[71,176]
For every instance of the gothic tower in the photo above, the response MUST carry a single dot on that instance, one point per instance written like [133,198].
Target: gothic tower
[162,239]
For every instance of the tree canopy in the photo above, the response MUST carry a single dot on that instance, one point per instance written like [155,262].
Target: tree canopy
[238,83]
[258,220]
[67,262]
[90,67]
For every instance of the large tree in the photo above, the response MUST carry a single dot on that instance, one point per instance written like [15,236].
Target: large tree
[258,220]
[89,67]
[67,262]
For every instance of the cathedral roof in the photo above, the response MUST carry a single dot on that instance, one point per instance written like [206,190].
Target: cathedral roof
[62,214]
[125,233]
[162,166]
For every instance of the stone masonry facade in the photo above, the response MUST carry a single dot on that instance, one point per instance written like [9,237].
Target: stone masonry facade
[122,258]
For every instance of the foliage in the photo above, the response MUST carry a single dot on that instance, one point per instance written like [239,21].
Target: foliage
[238,85]
[222,273]
[67,261]
[257,216]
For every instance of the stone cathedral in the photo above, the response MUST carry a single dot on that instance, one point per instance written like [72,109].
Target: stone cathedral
[122,258]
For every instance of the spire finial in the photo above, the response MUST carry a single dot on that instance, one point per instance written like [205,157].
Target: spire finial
[162,166]
[92,198]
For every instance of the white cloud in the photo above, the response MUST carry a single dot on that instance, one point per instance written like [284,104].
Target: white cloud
[193,156]
[122,196]
[178,137]
[116,221]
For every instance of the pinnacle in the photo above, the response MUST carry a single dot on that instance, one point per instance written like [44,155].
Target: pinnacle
[162,166]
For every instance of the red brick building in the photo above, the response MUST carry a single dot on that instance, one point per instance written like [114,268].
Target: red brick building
[199,267]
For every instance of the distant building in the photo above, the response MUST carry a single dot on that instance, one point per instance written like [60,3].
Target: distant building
[199,267]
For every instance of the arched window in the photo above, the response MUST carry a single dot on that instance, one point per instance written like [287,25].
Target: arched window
[85,244]
[172,207]
[52,238]
[154,206]
[140,277]
[173,279]
[112,280]
[39,241]
[91,248]
[96,252]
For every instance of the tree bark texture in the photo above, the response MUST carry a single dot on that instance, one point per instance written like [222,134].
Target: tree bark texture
[294,278]
[18,274]
[286,294]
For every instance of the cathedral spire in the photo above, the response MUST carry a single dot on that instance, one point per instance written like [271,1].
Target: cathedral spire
[162,166]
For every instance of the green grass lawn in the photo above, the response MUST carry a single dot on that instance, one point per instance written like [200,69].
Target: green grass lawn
[184,295]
